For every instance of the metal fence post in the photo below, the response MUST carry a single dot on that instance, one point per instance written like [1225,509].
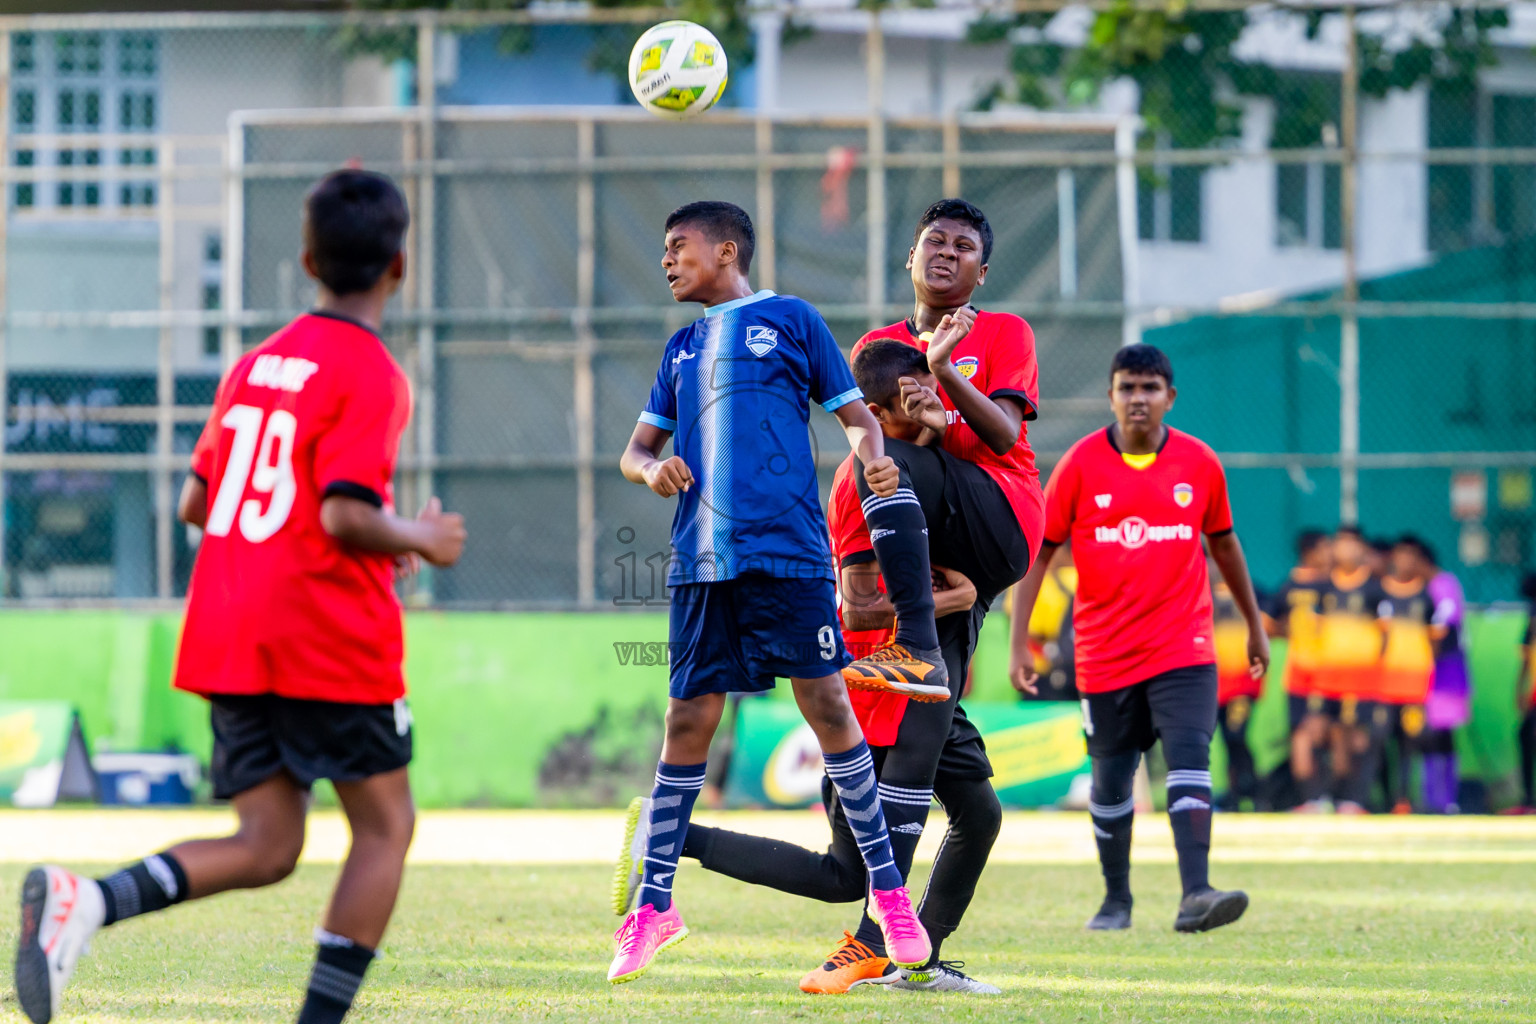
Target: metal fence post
[426,265]
[583,385]
[1130,252]
[5,217]
[165,377]
[1349,321]
[232,288]
[875,246]
[767,248]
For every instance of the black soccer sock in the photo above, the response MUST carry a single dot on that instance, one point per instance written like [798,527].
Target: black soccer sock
[1189,813]
[152,884]
[338,973]
[899,533]
[786,867]
[1112,808]
[975,817]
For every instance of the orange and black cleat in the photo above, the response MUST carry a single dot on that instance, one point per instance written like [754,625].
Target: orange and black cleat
[850,965]
[899,670]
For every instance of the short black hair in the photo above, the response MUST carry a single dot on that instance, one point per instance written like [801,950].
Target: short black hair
[1419,546]
[965,213]
[1308,540]
[1528,586]
[1352,530]
[354,224]
[720,222]
[1148,359]
[883,362]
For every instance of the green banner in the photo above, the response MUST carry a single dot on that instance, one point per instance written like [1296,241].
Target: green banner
[43,758]
[1036,752]
[565,710]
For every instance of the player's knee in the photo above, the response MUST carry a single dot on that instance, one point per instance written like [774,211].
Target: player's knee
[273,857]
[391,827]
[686,720]
[1187,749]
[1113,778]
[826,708]
[980,817]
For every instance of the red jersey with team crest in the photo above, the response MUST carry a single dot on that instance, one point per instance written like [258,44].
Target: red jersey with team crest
[1143,604]
[998,357]
[277,605]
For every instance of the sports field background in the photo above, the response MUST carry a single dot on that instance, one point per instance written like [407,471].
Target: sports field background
[504,917]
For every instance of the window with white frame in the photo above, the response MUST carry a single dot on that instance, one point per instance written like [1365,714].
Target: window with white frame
[102,86]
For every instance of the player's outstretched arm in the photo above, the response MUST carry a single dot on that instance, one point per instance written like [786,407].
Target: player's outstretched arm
[192,506]
[641,462]
[435,535]
[1021,664]
[1228,553]
[996,421]
[868,443]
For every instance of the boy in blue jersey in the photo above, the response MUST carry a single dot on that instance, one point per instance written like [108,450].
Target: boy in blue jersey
[753,593]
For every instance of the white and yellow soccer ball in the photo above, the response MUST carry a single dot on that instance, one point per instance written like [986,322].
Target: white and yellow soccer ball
[677,69]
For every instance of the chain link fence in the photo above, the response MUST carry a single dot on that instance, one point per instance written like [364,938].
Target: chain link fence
[1343,285]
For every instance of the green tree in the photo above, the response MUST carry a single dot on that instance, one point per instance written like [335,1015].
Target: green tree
[1183,64]
[729,20]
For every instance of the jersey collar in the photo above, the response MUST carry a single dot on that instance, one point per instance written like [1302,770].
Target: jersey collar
[328,315]
[726,307]
[1109,435]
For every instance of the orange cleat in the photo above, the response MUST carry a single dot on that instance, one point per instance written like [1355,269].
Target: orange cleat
[850,965]
[899,670]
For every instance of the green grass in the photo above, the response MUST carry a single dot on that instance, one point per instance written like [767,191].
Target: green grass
[1323,941]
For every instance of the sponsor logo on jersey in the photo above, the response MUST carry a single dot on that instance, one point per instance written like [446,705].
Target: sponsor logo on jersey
[681,356]
[967,366]
[1102,500]
[1133,532]
[761,340]
[280,373]
[1183,494]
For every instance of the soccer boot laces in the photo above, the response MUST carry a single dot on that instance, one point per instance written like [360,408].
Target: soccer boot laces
[900,670]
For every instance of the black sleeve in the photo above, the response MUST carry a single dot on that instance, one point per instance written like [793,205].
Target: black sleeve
[348,489]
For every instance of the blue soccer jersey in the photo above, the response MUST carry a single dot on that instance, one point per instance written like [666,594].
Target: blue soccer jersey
[735,388]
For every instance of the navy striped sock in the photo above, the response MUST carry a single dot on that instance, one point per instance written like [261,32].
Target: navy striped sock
[1189,812]
[853,773]
[1112,831]
[677,787]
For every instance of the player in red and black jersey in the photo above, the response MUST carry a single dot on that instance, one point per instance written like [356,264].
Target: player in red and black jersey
[988,383]
[1134,500]
[293,630]
[922,751]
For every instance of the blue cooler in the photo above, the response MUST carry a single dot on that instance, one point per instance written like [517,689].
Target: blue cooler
[144,779]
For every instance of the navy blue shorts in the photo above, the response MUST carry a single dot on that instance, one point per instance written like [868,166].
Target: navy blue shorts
[739,635]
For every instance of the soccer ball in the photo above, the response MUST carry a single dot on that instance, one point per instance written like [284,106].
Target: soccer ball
[677,69]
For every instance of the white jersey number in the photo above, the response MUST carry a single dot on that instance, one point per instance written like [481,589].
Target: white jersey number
[265,459]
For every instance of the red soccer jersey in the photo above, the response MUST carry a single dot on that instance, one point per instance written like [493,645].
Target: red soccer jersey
[277,605]
[998,357]
[1143,603]
[879,714]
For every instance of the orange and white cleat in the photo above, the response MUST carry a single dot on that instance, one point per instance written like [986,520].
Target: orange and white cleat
[900,670]
[60,911]
[850,965]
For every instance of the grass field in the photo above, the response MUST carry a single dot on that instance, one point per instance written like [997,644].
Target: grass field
[504,918]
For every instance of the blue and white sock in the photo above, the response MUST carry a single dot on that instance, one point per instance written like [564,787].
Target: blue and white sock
[853,773]
[677,787]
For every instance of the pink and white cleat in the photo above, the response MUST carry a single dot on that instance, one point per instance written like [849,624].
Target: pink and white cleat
[644,933]
[60,912]
[906,942]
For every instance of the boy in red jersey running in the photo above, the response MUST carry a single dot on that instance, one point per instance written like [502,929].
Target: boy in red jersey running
[293,630]
[1134,500]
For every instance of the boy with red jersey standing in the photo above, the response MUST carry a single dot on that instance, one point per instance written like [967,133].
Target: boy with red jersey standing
[293,630]
[1134,500]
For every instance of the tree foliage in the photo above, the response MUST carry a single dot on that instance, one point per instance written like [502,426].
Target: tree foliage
[1190,79]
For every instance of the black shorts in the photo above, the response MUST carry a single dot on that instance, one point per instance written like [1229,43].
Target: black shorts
[255,738]
[972,528]
[965,754]
[1130,719]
